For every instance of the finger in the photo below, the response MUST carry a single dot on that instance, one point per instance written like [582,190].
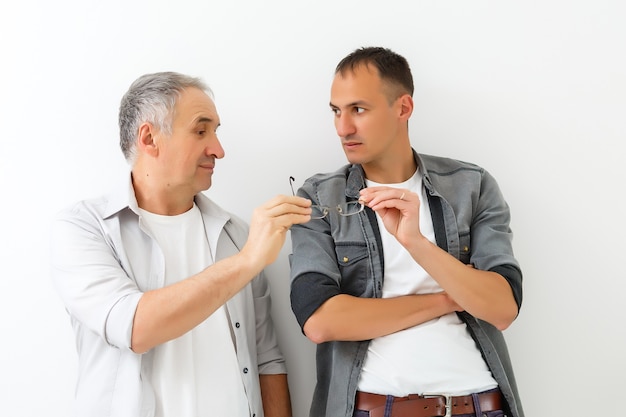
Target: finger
[384,204]
[281,205]
[377,188]
[283,222]
[290,210]
[281,199]
[389,192]
[375,197]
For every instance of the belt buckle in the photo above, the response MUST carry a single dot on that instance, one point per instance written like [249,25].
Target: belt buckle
[447,396]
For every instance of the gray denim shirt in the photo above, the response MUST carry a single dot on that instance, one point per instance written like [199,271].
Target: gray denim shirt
[344,255]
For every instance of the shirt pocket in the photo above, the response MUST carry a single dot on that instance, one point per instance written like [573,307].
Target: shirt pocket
[354,266]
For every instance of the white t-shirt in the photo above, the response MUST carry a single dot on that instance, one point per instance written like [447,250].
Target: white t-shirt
[436,356]
[196,374]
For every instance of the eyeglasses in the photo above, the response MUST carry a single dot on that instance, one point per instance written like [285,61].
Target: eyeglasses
[349,208]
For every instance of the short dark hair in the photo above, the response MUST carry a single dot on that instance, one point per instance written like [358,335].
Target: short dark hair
[392,67]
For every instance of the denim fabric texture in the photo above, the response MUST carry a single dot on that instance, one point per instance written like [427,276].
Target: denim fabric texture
[344,255]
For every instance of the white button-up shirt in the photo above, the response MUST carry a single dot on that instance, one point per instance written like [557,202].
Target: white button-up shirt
[91,246]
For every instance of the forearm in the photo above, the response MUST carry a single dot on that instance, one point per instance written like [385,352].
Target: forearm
[275,395]
[167,313]
[342,316]
[484,294]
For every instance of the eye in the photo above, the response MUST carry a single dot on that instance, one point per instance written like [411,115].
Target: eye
[359,110]
[335,111]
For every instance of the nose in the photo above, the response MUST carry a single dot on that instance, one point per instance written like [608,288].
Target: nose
[344,125]
[215,149]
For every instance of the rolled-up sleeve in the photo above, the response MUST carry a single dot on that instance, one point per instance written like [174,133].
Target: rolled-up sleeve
[492,236]
[269,356]
[89,278]
[315,274]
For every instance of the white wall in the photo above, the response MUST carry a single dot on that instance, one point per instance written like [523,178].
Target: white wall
[534,91]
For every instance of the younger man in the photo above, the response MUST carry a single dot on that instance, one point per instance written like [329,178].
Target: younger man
[407,292]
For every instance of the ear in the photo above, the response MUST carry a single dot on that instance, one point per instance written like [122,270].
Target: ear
[406,106]
[146,141]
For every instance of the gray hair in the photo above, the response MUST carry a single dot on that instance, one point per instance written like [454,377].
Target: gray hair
[152,98]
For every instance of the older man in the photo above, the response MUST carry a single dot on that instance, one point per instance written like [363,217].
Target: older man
[165,289]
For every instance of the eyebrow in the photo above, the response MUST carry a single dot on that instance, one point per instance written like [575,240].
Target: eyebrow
[203,119]
[357,103]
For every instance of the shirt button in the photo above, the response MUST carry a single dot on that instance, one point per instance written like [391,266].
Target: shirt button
[245,370]
[237,325]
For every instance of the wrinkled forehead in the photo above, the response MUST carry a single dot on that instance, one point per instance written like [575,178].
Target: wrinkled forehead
[195,106]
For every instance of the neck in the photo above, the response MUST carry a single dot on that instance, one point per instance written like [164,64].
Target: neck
[393,169]
[158,197]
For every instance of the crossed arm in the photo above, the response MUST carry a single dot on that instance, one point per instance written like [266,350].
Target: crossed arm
[484,294]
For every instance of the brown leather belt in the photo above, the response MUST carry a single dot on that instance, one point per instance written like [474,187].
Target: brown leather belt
[426,405]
